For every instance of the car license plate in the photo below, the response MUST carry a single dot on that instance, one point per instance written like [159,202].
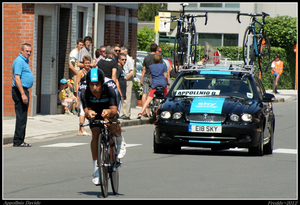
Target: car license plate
[206,128]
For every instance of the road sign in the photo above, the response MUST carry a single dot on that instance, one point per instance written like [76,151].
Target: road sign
[164,17]
[156,24]
[216,57]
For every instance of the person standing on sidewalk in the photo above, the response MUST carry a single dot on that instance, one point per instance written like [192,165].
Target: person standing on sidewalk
[276,71]
[22,81]
[129,70]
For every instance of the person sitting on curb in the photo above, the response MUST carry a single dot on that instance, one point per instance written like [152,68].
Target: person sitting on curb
[158,71]
[63,97]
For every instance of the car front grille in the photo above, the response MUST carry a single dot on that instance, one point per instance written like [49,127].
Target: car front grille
[205,117]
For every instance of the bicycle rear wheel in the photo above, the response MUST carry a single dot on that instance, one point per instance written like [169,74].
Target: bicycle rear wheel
[180,49]
[265,54]
[193,45]
[103,162]
[114,171]
[249,50]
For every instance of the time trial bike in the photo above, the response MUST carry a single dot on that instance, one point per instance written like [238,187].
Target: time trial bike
[108,162]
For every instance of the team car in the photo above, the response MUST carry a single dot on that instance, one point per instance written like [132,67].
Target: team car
[217,107]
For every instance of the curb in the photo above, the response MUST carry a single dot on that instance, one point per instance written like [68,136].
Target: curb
[8,139]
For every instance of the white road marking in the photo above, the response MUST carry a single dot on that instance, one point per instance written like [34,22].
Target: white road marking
[77,144]
[64,144]
[132,145]
[285,151]
[279,150]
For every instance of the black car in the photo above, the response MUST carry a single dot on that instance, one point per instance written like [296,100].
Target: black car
[215,107]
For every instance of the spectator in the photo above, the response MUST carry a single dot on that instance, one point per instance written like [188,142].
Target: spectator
[276,71]
[158,71]
[81,84]
[22,81]
[73,60]
[121,76]
[129,71]
[116,51]
[85,51]
[66,101]
[145,78]
[203,60]
[102,54]
[108,65]
[70,91]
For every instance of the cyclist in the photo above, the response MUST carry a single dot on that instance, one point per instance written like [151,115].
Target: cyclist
[101,100]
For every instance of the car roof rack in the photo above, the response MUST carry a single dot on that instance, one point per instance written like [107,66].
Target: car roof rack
[225,65]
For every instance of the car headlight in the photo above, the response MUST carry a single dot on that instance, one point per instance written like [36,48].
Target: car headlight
[177,115]
[165,115]
[234,117]
[247,117]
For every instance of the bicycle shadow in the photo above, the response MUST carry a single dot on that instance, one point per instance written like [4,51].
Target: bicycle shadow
[98,194]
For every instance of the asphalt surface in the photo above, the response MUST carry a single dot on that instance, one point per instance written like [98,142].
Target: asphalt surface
[61,168]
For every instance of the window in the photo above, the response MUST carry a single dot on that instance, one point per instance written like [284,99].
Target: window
[80,25]
[218,39]
[214,6]
[230,39]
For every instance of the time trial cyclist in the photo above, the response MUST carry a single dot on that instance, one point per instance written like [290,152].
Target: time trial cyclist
[101,100]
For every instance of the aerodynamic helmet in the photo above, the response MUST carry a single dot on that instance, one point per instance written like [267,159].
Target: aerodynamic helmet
[95,75]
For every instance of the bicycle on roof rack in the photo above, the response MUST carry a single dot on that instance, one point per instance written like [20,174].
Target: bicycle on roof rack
[256,44]
[185,39]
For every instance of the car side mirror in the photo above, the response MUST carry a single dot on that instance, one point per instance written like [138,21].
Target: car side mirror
[159,94]
[268,97]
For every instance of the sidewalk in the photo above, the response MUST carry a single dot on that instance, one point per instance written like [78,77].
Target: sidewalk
[47,126]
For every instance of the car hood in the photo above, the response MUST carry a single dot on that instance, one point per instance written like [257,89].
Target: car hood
[217,105]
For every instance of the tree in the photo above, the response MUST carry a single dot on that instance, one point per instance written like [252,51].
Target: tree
[145,38]
[282,31]
[147,12]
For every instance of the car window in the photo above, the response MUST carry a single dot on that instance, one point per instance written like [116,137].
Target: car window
[212,85]
[259,88]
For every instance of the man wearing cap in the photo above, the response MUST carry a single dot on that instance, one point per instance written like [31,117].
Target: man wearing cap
[276,71]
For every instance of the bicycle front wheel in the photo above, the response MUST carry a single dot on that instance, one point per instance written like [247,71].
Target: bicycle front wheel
[193,45]
[265,54]
[103,162]
[248,47]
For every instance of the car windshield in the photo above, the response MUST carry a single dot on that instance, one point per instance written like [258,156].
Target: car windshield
[213,85]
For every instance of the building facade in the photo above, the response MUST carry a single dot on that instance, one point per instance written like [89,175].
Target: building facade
[52,30]
[222,28]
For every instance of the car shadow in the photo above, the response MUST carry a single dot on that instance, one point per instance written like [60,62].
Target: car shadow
[209,152]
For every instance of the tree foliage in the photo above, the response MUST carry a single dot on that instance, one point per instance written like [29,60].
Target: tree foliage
[145,38]
[147,12]
[282,31]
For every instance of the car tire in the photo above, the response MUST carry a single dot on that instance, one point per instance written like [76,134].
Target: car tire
[158,148]
[268,148]
[259,149]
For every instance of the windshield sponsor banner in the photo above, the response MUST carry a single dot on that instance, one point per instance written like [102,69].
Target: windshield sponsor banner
[194,93]
[207,105]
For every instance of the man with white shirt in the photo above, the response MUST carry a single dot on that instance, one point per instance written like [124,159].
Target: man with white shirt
[73,60]
[129,70]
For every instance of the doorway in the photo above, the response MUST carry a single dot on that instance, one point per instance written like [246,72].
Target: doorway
[39,63]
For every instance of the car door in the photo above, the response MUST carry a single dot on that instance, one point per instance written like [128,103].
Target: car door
[266,107]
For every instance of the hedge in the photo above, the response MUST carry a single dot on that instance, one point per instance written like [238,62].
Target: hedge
[287,79]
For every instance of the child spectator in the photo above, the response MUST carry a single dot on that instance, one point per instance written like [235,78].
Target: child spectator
[66,101]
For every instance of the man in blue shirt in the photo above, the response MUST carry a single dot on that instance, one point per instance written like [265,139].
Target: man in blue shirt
[22,81]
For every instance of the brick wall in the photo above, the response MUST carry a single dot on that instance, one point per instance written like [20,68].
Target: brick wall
[18,27]
[115,28]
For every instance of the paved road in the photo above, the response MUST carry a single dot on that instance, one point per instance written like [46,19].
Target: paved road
[61,168]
